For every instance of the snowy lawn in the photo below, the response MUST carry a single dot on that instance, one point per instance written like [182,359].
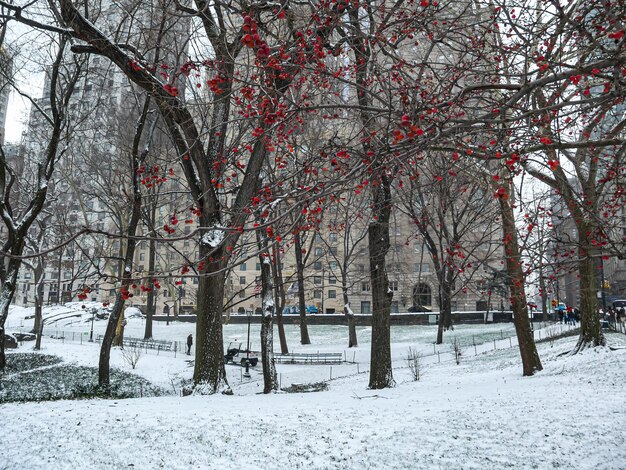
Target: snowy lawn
[481,414]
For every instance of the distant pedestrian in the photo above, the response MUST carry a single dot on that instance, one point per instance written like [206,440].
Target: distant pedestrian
[189,343]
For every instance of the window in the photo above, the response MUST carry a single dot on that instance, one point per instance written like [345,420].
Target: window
[166,293]
[424,267]
[333,250]
[258,266]
[393,285]
[332,294]
[67,275]
[416,247]
[317,294]
[365,287]
[317,279]
[361,269]
[422,295]
[317,265]
[395,308]
[142,256]
[243,267]
[366,307]
[242,294]
[187,230]
[242,280]
[332,279]
[319,251]
[332,236]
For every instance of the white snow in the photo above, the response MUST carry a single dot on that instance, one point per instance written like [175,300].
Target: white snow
[213,237]
[481,414]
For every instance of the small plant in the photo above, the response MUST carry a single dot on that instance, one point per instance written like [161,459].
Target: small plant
[456,347]
[414,361]
[132,355]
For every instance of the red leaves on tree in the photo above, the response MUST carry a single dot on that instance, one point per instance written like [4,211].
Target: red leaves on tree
[553,164]
[171,89]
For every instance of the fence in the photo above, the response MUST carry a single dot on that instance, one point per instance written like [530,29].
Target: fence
[433,355]
[429,353]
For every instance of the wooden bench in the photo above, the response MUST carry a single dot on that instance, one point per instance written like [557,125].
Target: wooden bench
[312,358]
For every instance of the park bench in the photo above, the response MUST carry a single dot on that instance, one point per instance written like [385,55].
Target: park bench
[158,344]
[312,358]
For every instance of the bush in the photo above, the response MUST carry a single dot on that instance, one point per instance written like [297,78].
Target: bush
[67,382]
[21,362]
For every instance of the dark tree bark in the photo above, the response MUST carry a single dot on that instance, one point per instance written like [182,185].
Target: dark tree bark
[381,372]
[279,298]
[304,331]
[270,378]
[527,348]
[151,301]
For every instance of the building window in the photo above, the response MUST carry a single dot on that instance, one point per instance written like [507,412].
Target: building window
[393,285]
[317,265]
[317,294]
[243,267]
[366,307]
[142,256]
[67,275]
[333,250]
[317,279]
[332,294]
[258,266]
[242,279]
[332,236]
[395,308]
[422,295]
[361,269]
[365,287]
[332,279]
[319,251]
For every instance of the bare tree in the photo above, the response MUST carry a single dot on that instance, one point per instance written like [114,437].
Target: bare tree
[19,220]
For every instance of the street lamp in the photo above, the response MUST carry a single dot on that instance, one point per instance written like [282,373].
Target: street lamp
[93,314]
[247,372]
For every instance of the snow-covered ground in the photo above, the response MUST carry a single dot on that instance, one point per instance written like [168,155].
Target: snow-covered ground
[480,414]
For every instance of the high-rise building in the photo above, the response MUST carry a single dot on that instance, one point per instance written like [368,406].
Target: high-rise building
[5,72]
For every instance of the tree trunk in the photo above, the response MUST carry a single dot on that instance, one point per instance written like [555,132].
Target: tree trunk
[528,350]
[304,331]
[445,309]
[209,374]
[352,338]
[279,289]
[270,380]
[151,301]
[381,372]
[590,330]
[38,312]
[6,294]
[544,297]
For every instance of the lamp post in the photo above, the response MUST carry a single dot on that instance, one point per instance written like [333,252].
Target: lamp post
[247,372]
[93,314]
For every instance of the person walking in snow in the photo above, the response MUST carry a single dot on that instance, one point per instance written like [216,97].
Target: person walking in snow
[189,343]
